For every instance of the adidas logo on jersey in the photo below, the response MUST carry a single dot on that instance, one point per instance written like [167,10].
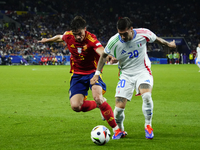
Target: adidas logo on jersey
[123,51]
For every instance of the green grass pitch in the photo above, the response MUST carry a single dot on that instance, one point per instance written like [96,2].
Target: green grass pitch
[35,112]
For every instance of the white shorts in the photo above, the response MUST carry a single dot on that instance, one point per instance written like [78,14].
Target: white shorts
[128,84]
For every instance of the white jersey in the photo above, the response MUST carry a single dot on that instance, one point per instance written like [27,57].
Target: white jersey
[198,53]
[132,55]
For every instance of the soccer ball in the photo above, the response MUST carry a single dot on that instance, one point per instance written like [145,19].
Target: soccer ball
[100,135]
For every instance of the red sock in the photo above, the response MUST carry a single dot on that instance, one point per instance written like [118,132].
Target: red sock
[108,114]
[88,105]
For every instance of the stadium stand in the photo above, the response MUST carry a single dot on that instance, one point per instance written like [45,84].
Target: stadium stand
[24,22]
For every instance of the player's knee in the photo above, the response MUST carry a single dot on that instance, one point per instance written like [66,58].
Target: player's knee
[98,100]
[147,97]
[76,107]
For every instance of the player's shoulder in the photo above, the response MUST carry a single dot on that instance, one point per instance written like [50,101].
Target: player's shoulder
[68,33]
[115,37]
[90,36]
[143,31]
[113,40]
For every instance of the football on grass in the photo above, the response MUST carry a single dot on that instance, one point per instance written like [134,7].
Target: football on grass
[100,135]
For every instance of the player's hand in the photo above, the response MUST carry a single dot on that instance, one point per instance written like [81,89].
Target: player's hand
[172,44]
[44,40]
[113,60]
[94,79]
[108,58]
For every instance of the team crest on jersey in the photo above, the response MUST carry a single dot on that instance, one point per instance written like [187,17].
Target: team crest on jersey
[79,50]
[84,47]
[72,46]
[139,44]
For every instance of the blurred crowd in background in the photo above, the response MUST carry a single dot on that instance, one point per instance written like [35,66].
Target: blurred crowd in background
[44,19]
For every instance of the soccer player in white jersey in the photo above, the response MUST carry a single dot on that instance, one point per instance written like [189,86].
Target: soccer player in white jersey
[128,47]
[197,58]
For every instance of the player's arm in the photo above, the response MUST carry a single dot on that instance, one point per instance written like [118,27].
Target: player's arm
[161,41]
[57,38]
[101,62]
[109,58]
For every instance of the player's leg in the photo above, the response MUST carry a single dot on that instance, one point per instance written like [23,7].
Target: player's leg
[144,86]
[147,108]
[79,103]
[76,102]
[119,111]
[78,92]
[105,108]
[124,92]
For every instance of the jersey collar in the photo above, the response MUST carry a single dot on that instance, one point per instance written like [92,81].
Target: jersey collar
[135,33]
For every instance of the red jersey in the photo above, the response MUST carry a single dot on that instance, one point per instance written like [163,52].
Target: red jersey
[84,58]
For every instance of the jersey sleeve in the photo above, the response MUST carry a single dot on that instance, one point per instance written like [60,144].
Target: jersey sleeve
[109,45]
[147,34]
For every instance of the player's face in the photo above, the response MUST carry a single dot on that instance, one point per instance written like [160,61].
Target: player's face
[126,34]
[79,35]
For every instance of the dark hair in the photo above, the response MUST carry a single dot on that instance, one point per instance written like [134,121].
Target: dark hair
[124,23]
[78,23]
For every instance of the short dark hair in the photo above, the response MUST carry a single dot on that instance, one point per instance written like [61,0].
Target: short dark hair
[78,23]
[124,23]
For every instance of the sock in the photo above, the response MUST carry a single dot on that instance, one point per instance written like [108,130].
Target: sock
[119,117]
[147,108]
[88,105]
[107,112]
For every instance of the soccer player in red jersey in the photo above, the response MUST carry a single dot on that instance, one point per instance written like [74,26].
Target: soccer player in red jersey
[85,51]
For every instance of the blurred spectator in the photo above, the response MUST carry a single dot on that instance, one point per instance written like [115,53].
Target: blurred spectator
[176,58]
[50,60]
[44,60]
[9,60]
[184,58]
[23,60]
[191,58]
[46,18]
[170,56]
[54,61]
[4,60]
